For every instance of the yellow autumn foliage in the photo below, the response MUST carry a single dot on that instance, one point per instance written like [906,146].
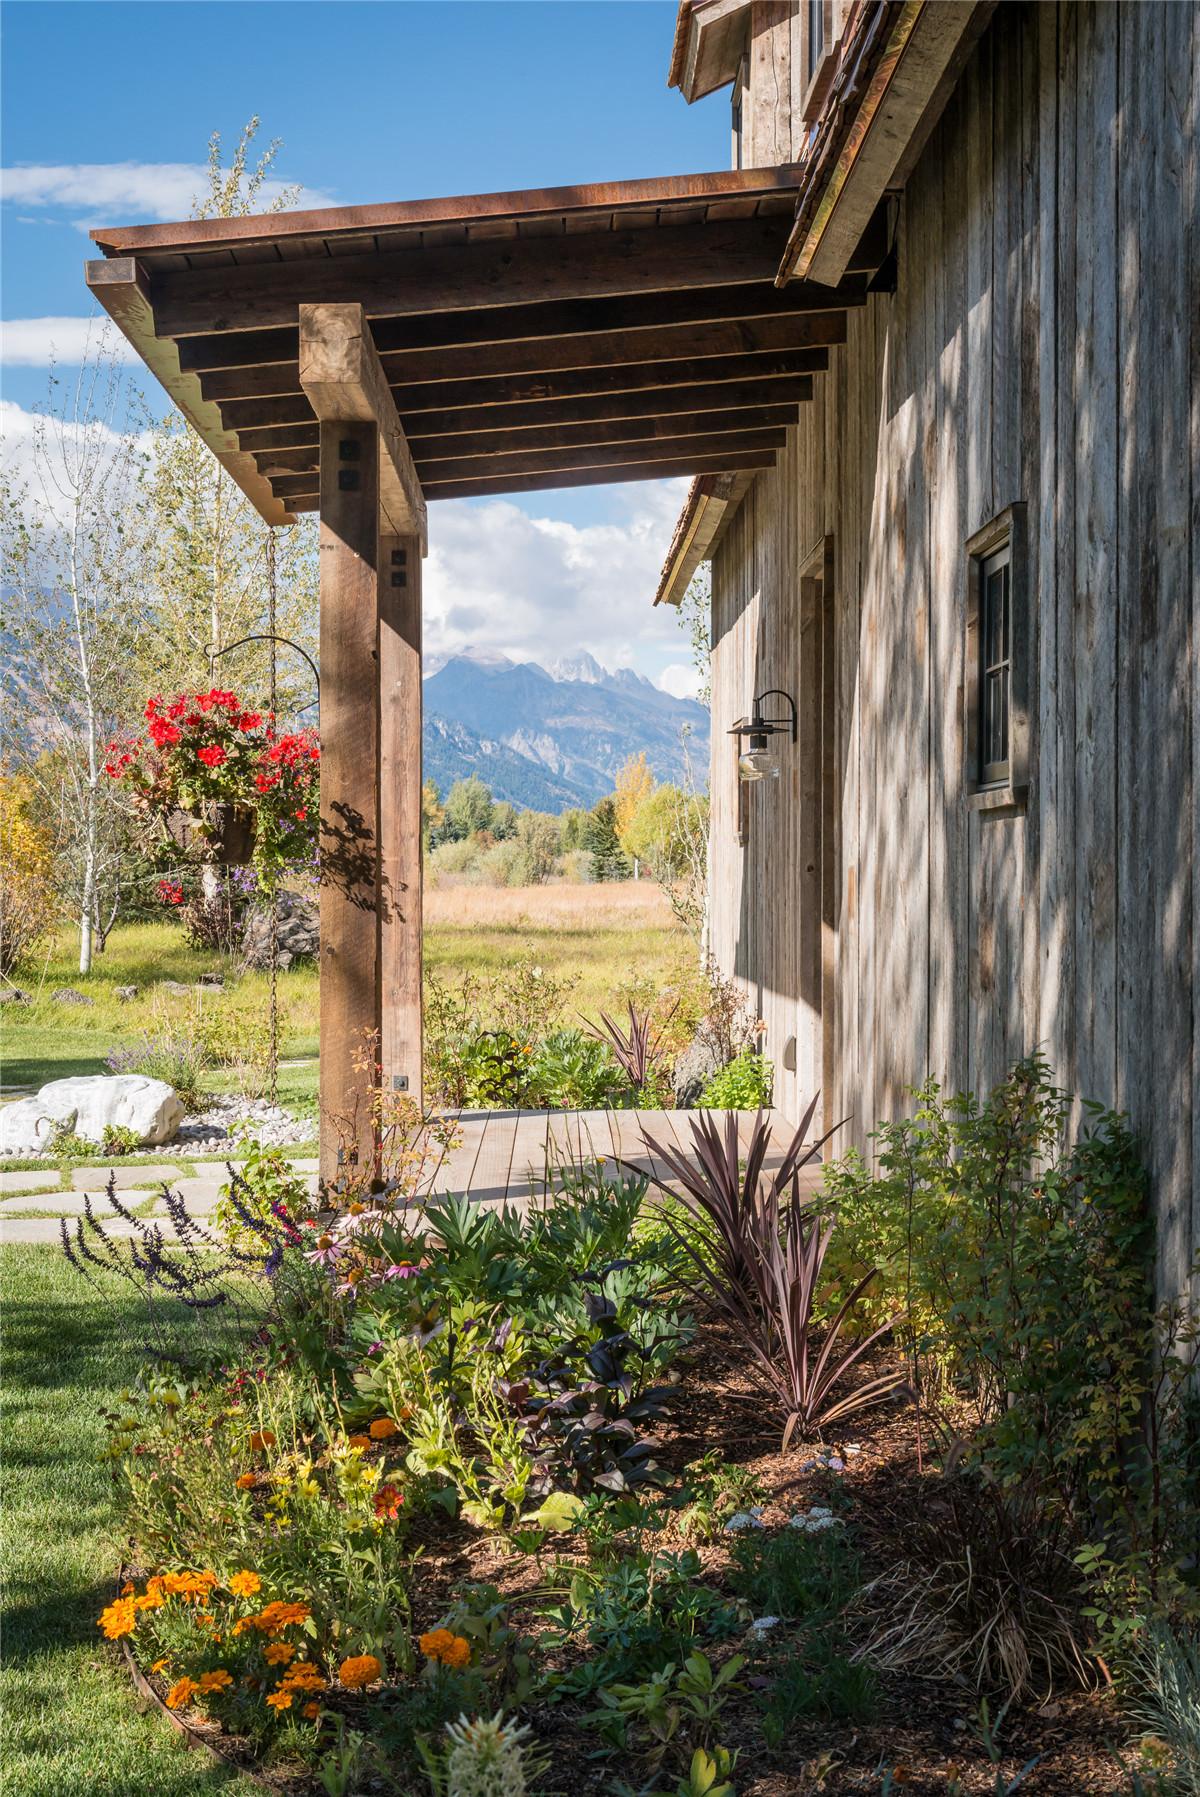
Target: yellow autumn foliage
[28,901]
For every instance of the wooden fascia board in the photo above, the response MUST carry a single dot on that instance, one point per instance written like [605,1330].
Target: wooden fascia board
[121,288]
[343,378]
[706,513]
[921,48]
[713,47]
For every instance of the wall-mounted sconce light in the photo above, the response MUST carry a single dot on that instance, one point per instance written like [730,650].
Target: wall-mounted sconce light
[757,763]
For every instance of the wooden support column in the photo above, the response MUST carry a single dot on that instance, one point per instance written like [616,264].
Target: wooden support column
[400,812]
[349,888]
[372,533]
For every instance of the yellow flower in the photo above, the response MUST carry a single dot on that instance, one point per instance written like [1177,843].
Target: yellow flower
[279,1653]
[181,1692]
[383,1428]
[120,1618]
[245,1584]
[280,1700]
[215,1681]
[359,1670]
[246,1481]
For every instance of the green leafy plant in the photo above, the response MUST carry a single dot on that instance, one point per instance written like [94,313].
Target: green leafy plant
[572,1071]
[268,1189]
[673,1708]
[1164,1672]
[744,1085]
[823,1683]
[714,1491]
[118,1140]
[634,1616]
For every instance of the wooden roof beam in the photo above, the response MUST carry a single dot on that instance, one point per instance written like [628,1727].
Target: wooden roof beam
[715,396]
[812,330]
[524,324]
[121,288]
[656,258]
[343,380]
[589,383]
[559,436]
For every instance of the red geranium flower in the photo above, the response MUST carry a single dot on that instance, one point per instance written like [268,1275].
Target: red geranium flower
[162,733]
[170,892]
[212,755]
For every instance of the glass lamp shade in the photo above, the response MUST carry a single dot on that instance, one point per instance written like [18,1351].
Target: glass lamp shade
[757,765]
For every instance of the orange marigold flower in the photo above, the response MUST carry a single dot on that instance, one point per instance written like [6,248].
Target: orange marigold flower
[215,1681]
[312,1710]
[246,1481]
[360,1441]
[120,1618]
[383,1428]
[128,1589]
[450,1649]
[279,1653]
[245,1584]
[302,1677]
[280,1700]
[262,1438]
[160,1665]
[359,1670]
[181,1692]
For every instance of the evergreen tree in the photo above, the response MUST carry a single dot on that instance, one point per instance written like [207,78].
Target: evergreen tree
[609,861]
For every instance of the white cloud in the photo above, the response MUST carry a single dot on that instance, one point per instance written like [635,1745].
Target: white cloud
[680,679]
[127,191]
[45,457]
[37,342]
[539,588]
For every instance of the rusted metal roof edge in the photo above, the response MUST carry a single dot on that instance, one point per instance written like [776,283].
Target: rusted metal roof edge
[329,221]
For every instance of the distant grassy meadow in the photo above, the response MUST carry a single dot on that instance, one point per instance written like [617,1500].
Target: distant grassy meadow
[602,936]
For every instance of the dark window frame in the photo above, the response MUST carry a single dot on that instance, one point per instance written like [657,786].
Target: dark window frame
[737,111]
[997,673]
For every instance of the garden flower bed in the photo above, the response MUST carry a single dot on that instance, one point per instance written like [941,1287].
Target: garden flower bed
[439,1490]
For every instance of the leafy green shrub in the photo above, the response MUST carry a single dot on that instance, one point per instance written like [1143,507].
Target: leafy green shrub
[239,1037]
[744,1085]
[713,1492]
[267,1192]
[118,1140]
[824,1685]
[799,1576]
[630,1619]
[573,1072]
[1024,1262]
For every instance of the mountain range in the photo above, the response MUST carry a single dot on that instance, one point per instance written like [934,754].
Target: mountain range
[548,739]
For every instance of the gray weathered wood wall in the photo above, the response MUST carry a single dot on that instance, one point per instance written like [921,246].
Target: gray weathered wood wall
[1043,346]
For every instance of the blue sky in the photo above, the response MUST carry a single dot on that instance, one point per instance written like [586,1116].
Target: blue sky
[105,106]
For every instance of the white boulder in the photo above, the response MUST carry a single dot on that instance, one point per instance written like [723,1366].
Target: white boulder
[149,1107]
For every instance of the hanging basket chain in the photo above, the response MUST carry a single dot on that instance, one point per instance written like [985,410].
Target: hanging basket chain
[274,932]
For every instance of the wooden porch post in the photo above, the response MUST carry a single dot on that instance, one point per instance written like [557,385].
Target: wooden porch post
[372,540]
[400,812]
[349,888]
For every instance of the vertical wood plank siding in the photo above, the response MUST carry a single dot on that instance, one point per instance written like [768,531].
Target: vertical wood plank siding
[1043,347]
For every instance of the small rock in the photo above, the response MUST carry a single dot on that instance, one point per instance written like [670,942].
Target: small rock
[126,994]
[68,995]
[267,1123]
[176,987]
[211,980]
[693,1069]
[13,995]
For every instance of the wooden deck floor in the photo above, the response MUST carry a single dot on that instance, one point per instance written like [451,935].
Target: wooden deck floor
[503,1154]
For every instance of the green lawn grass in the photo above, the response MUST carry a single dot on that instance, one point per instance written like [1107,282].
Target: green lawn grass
[71,1725]
[599,936]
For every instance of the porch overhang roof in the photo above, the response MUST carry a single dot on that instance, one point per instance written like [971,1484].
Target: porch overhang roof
[552,338]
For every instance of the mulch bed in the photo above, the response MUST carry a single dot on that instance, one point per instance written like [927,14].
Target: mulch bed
[925,1731]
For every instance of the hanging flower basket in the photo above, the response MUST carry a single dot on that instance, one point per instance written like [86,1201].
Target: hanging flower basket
[223,783]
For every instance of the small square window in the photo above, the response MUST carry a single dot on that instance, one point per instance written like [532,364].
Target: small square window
[997,701]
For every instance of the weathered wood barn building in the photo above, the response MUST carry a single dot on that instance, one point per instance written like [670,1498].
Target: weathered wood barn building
[973,565]
[931,350]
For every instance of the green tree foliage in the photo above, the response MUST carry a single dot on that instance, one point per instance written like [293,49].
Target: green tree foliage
[609,861]
[504,820]
[537,837]
[469,809]
[573,830]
